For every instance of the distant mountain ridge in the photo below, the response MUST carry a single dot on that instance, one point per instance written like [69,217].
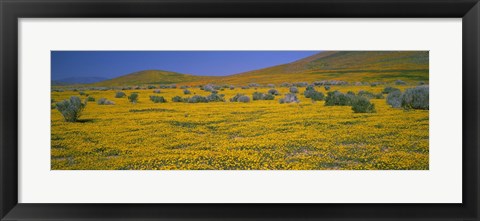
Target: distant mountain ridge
[351,66]
[77,80]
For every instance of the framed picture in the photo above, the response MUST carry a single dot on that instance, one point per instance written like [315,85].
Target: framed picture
[171,110]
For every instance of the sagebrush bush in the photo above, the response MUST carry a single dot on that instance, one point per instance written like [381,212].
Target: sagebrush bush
[327,88]
[337,98]
[186,91]
[244,99]
[273,92]
[104,101]
[157,99]
[245,87]
[254,85]
[378,96]
[262,96]
[214,97]
[90,98]
[119,94]
[179,99]
[271,85]
[232,87]
[71,109]
[151,87]
[156,91]
[82,93]
[285,84]
[389,89]
[293,89]
[394,99]
[235,98]
[183,87]
[416,98]
[362,105]
[197,99]
[366,94]
[316,96]
[400,82]
[289,98]
[301,84]
[133,98]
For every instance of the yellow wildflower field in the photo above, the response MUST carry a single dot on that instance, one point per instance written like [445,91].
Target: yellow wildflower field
[259,135]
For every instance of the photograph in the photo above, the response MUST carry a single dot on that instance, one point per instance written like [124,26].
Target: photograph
[239,110]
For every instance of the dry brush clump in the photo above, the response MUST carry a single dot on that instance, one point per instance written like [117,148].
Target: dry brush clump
[120,94]
[157,99]
[133,98]
[362,105]
[105,101]
[313,94]
[197,99]
[71,109]
[412,98]
[294,90]
[273,92]
[262,96]
[337,98]
[215,97]
[289,98]
[388,90]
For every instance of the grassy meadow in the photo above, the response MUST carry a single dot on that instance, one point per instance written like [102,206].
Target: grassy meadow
[257,135]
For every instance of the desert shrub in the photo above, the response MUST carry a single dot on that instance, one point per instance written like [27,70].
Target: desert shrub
[178,99]
[245,87]
[254,85]
[156,91]
[133,98]
[269,97]
[285,84]
[183,87]
[293,90]
[214,97]
[271,85]
[273,92]
[235,98]
[214,92]
[186,91]
[350,93]
[151,87]
[400,82]
[197,99]
[244,99]
[257,96]
[104,101]
[57,90]
[262,96]
[389,89]
[366,94]
[374,84]
[327,88]
[119,94]
[82,93]
[337,98]
[416,98]
[173,86]
[157,99]
[90,98]
[394,99]
[71,109]
[232,87]
[316,96]
[289,98]
[301,84]
[362,105]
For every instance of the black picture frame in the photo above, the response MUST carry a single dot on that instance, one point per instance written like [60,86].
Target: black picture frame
[12,10]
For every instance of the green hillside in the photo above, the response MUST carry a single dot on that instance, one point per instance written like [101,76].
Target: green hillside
[343,65]
[151,77]
[351,66]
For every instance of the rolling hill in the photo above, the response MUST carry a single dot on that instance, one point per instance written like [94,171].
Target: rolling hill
[351,66]
[152,77]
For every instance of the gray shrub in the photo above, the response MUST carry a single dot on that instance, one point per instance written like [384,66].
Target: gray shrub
[244,99]
[293,89]
[157,99]
[186,91]
[104,101]
[273,92]
[394,99]
[71,109]
[416,98]
[197,99]
[119,94]
[289,98]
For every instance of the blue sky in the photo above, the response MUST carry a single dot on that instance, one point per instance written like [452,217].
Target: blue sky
[111,64]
